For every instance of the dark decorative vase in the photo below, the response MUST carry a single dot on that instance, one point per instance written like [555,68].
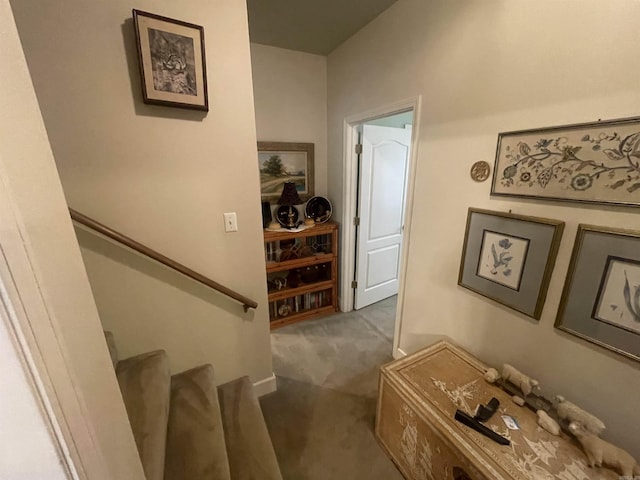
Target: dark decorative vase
[266,214]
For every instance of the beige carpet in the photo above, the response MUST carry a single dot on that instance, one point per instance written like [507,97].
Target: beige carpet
[321,419]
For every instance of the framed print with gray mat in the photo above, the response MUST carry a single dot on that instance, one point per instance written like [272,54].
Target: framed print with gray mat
[601,297]
[509,258]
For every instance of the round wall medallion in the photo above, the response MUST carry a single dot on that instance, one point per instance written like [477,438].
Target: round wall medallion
[480,171]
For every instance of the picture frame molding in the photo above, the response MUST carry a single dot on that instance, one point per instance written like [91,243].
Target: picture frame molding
[554,246]
[308,148]
[555,129]
[148,97]
[583,229]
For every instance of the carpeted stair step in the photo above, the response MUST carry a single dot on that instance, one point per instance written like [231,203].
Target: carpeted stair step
[249,448]
[196,447]
[145,385]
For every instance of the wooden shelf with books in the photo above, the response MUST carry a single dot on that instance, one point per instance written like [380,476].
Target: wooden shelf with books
[302,273]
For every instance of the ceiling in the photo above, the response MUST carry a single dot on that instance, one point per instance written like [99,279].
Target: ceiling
[313,26]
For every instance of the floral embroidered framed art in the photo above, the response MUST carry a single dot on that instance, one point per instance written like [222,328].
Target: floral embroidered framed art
[595,162]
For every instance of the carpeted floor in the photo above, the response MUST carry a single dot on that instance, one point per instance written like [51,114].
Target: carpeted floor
[321,419]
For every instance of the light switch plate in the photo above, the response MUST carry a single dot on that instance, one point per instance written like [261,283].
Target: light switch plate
[230,222]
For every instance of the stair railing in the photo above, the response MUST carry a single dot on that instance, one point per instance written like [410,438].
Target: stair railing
[158,257]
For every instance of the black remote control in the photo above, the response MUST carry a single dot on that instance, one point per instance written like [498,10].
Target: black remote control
[469,421]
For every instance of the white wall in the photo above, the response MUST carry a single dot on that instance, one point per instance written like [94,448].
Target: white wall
[47,288]
[163,176]
[290,93]
[31,452]
[483,67]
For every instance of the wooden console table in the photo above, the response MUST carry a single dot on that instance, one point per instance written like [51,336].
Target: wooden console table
[418,397]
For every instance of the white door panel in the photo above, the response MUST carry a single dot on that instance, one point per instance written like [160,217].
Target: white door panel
[388,172]
[382,266]
[381,201]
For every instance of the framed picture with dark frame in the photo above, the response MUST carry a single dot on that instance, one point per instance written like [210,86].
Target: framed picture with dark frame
[601,297]
[509,258]
[172,61]
[280,162]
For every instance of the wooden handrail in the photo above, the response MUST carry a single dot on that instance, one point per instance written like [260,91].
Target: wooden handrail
[144,250]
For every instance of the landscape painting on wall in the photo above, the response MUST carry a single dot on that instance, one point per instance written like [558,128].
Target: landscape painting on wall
[281,162]
[595,162]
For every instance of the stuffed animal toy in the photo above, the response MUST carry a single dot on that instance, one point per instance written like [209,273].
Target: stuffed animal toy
[601,453]
[512,375]
[572,413]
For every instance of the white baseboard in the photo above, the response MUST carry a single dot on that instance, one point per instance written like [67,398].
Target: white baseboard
[399,353]
[266,385]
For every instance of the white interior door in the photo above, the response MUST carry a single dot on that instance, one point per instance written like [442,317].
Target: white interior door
[381,205]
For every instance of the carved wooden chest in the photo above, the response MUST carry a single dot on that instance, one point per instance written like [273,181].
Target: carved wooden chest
[418,397]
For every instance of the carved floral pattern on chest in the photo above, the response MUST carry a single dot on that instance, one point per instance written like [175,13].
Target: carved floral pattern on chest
[417,401]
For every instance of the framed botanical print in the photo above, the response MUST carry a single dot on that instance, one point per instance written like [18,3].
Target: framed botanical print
[601,296]
[509,258]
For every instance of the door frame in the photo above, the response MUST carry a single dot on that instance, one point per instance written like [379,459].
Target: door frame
[35,337]
[50,351]
[10,316]
[349,202]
